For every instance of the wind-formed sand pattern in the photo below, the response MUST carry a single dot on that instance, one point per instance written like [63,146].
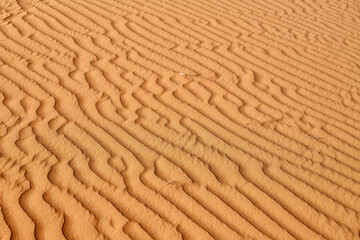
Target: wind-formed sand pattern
[179,119]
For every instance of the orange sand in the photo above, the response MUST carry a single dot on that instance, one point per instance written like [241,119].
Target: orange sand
[179,119]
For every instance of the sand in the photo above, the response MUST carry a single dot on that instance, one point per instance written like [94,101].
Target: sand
[179,119]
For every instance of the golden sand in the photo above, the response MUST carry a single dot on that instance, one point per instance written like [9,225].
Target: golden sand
[179,119]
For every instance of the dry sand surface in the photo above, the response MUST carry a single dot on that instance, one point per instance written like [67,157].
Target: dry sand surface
[179,119]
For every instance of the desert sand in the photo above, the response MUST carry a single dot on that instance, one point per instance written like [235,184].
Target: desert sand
[179,119]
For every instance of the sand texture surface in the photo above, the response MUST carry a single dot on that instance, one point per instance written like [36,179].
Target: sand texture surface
[179,119]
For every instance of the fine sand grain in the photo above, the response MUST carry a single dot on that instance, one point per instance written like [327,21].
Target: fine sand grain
[179,119]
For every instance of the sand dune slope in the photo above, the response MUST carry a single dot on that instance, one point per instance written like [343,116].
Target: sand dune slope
[169,119]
